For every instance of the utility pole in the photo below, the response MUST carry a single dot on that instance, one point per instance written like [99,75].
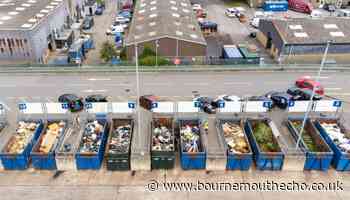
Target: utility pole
[313,94]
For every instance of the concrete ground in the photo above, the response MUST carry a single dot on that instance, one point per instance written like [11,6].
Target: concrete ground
[102,23]
[231,31]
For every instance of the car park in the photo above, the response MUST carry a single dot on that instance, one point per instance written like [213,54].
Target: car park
[308,83]
[88,22]
[75,103]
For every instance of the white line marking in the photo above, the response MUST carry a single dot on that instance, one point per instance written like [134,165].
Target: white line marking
[196,84]
[91,91]
[333,88]
[237,83]
[99,79]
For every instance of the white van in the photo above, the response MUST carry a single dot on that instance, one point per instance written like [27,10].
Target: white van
[343,13]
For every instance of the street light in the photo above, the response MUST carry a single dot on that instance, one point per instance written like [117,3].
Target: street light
[138,92]
[313,94]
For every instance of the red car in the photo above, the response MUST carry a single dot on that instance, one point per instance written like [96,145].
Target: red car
[306,82]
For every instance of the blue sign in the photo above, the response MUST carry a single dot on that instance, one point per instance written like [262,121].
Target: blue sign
[155,105]
[291,104]
[131,105]
[22,106]
[64,105]
[88,105]
[197,104]
[221,104]
[267,104]
[337,104]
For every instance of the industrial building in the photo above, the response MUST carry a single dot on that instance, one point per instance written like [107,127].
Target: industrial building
[30,28]
[169,27]
[305,40]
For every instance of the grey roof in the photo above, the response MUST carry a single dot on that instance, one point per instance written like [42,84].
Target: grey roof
[25,14]
[155,19]
[314,31]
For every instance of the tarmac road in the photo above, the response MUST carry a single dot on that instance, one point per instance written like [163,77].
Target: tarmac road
[101,184]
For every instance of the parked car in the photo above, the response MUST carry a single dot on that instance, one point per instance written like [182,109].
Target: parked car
[99,10]
[96,98]
[329,7]
[231,12]
[255,22]
[115,29]
[206,104]
[302,6]
[122,19]
[75,103]
[302,94]
[196,7]
[125,14]
[88,22]
[308,83]
[279,99]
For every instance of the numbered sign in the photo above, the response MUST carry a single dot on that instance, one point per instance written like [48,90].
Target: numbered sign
[231,107]
[31,108]
[327,105]
[187,106]
[56,108]
[163,107]
[97,107]
[298,106]
[123,107]
[257,106]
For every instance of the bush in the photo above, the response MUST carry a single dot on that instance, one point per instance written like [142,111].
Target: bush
[151,61]
[108,51]
[147,51]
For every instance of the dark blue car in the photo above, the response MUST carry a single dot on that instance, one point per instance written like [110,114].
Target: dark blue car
[99,10]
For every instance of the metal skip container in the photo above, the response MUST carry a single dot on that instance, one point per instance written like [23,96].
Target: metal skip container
[338,138]
[163,147]
[238,150]
[119,144]
[192,151]
[318,153]
[44,151]
[266,148]
[15,154]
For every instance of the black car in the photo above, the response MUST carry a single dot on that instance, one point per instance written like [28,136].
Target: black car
[96,98]
[207,104]
[75,103]
[302,94]
[329,7]
[280,99]
[88,22]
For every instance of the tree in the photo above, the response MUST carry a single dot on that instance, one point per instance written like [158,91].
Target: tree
[108,52]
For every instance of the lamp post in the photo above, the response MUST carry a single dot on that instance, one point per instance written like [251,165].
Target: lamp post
[313,94]
[138,92]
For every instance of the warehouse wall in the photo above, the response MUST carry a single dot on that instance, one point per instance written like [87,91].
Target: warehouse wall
[167,48]
[40,34]
[267,28]
[316,58]
[15,47]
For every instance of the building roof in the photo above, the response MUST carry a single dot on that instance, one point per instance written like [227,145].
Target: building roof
[155,19]
[25,14]
[313,31]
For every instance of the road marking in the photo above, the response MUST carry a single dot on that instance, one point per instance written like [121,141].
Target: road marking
[98,79]
[91,91]
[338,94]
[196,84]
[333,88]
[237,83]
